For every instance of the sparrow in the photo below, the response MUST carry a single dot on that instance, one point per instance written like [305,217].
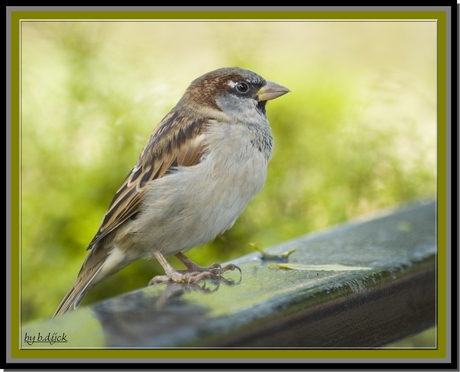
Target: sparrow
[201,166]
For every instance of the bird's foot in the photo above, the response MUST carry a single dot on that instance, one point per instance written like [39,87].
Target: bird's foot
[193,274]
[181,276]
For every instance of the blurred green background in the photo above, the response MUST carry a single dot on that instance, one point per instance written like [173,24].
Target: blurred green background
[356,134]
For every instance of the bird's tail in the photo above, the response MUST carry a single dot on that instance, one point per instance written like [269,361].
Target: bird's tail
[98,266]
[85,281]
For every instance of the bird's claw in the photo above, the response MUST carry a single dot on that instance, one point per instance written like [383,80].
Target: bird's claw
[193,276]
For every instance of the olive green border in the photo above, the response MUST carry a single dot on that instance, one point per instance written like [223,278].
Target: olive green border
[441,15]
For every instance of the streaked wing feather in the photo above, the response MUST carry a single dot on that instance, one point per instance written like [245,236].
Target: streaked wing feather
[191,154]
[177,141]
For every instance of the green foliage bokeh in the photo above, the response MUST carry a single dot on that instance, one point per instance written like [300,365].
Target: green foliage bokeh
[356,134]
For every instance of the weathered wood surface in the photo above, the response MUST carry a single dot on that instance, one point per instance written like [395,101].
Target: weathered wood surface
[362,284]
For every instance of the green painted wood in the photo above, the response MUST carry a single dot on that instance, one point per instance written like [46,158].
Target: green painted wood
[362,284]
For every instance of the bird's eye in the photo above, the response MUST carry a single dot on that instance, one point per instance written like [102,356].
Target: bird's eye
[242,87]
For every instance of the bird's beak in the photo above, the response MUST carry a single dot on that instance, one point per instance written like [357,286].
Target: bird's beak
[271,91]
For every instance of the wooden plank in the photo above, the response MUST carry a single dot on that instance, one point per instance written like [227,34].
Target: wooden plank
[362,284]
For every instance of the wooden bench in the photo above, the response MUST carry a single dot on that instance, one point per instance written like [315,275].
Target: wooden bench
[366,283]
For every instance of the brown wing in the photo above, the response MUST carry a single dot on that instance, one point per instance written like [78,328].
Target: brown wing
[177,141]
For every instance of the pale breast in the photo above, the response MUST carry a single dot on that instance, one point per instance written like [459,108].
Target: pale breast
[192,205]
